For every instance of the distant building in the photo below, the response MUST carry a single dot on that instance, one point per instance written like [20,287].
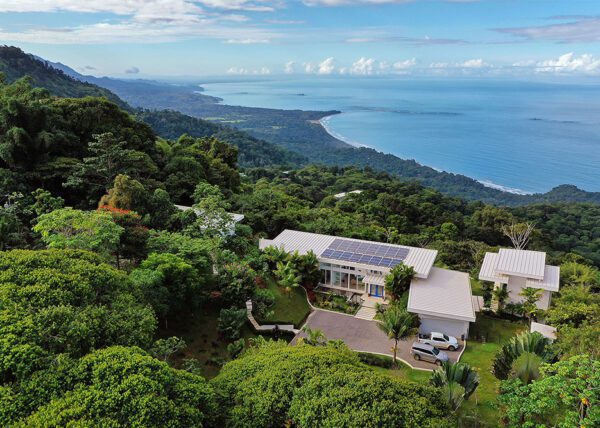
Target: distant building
[236,218]
[519,269]
[344,194]
[441,298]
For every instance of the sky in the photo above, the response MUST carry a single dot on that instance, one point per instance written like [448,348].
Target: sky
[143,38]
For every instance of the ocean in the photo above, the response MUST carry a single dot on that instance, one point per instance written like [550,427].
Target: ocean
[522,137]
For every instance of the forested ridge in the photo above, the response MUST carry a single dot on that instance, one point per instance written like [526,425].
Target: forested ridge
[294,136]
[100,273]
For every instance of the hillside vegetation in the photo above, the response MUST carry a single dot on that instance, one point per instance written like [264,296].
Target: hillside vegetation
[101,277]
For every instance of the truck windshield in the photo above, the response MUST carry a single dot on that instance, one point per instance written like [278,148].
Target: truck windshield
[447,338]
[435,351]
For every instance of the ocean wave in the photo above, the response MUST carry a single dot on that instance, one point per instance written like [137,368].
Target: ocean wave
[493,185]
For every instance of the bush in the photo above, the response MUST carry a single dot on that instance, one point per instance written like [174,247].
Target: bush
[231,322]
[263,300]
[376,360]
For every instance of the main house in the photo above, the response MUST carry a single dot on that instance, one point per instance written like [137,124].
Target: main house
[353,267]
[520,269]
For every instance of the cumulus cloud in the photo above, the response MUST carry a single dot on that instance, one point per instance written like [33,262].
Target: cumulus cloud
[364,66]
[473,63]
[570,64]
[326,66]
[404,65]
[248,71]
[132,70]
[290,67]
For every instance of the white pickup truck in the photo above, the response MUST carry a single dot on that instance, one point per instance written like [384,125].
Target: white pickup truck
[439,340]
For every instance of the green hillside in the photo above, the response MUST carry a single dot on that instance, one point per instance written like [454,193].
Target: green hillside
[15,64]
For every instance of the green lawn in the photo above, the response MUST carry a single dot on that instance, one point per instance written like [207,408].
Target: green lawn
[290,308]
[479,355]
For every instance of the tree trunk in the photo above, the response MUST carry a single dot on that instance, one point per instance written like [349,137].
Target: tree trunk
[395,352]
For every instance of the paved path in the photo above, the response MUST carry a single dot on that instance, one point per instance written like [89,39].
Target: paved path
[267,327]
[364,336]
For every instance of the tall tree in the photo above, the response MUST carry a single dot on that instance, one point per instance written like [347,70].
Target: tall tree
[398,280]
[83,230]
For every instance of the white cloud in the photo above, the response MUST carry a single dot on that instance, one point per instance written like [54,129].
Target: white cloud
[327,66]
[245,41]
[404,65]
[570,64]
[364,66]
[132,70]
[249,5]
[290,67]
[247,71]
[473,63]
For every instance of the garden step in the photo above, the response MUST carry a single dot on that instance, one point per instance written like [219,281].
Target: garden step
[366,313]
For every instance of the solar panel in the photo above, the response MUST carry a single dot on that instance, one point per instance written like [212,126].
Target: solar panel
[365,252]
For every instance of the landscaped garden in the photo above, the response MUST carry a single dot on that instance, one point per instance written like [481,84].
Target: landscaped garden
[334,302]
[289,307]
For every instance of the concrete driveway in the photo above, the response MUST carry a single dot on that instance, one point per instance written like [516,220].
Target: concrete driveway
[365,336]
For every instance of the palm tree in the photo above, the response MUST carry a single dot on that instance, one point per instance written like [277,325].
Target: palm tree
[457,380]
[274,255]
[313,337]
[309,269]
[531,296]
[521,357]
[397,324]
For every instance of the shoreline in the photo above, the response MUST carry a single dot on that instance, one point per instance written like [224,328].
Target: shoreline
[324,122]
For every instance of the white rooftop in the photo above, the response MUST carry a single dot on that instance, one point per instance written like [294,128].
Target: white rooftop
[551,281]
[445,293]
[420,259]
[497,267]
[524,263]
[344,194]
[236,217]
[544,329]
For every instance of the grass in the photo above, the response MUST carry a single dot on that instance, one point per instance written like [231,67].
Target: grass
[480,356]
[292,308]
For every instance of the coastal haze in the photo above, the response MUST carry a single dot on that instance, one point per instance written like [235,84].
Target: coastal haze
[523,137]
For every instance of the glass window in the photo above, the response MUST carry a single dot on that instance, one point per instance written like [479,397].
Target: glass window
[435,351]
[446,337]
[337,278]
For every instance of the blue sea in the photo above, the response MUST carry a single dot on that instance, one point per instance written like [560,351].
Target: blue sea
[522,137]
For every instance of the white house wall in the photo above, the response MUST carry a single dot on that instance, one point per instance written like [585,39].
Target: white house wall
[443,325]
[516,284]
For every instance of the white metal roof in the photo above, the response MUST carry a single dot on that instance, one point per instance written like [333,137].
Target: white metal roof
[544,329]
[445,293]
[488,269]
[420,259]
[551,281]
[524,263]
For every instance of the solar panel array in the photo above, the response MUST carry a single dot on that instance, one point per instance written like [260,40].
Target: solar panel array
[365,252]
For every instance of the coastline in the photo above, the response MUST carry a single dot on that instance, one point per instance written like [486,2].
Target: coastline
[324,122]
